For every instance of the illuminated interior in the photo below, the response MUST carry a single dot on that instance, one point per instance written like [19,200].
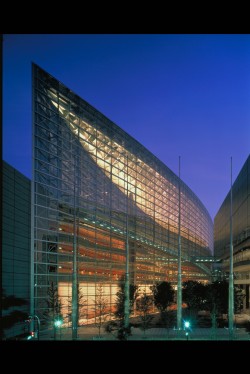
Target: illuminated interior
[95,183]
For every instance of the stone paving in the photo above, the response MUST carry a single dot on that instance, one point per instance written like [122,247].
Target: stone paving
[91,333]
[194,334]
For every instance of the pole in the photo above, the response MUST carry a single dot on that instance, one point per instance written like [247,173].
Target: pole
[179,284]
[33,291]
[126,288]
[32,318]
[74,280]
[231,276]
[38,327]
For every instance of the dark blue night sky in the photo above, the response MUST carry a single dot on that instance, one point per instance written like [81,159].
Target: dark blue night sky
[186,95]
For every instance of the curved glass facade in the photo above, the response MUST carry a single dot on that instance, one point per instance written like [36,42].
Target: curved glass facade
[96,190]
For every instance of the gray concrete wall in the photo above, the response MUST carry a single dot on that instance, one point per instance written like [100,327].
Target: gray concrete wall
[16,241]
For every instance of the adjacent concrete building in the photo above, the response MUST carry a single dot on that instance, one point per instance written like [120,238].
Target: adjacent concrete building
[16,242]
[241,231]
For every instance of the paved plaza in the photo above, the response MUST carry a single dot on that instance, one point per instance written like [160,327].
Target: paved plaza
[156,333]
[91,333]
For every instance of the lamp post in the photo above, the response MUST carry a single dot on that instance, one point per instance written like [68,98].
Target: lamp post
[58,324]
[187,328]
[38,324]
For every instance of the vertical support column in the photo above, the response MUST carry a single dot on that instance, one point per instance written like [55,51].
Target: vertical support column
[74,278]
[32,238]
[231,275]
[179,284]
[126,289]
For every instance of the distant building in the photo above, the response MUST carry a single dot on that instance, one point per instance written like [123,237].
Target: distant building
[15,242]
[97,191]
[241,231]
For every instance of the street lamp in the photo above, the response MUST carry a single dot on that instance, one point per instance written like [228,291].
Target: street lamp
[58,323]
[187,327]
[38,325]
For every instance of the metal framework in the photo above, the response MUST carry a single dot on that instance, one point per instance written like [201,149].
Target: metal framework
[96,192]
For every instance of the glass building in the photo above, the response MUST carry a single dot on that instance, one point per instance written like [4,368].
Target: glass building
[241,231]
[98,194]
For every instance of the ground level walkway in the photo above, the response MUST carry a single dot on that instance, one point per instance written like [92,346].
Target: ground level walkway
[194,334]
[90,332]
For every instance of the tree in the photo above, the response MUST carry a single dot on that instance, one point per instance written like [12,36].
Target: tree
[54,308]
[119,326]
[163,295]
[143,305]
[239,295]
[194,295]
[101,308]
[217,299]
[81,306]
[120,300]
[9,320]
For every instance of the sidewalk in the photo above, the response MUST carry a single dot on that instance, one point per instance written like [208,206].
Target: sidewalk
[163,334]
[194,334]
